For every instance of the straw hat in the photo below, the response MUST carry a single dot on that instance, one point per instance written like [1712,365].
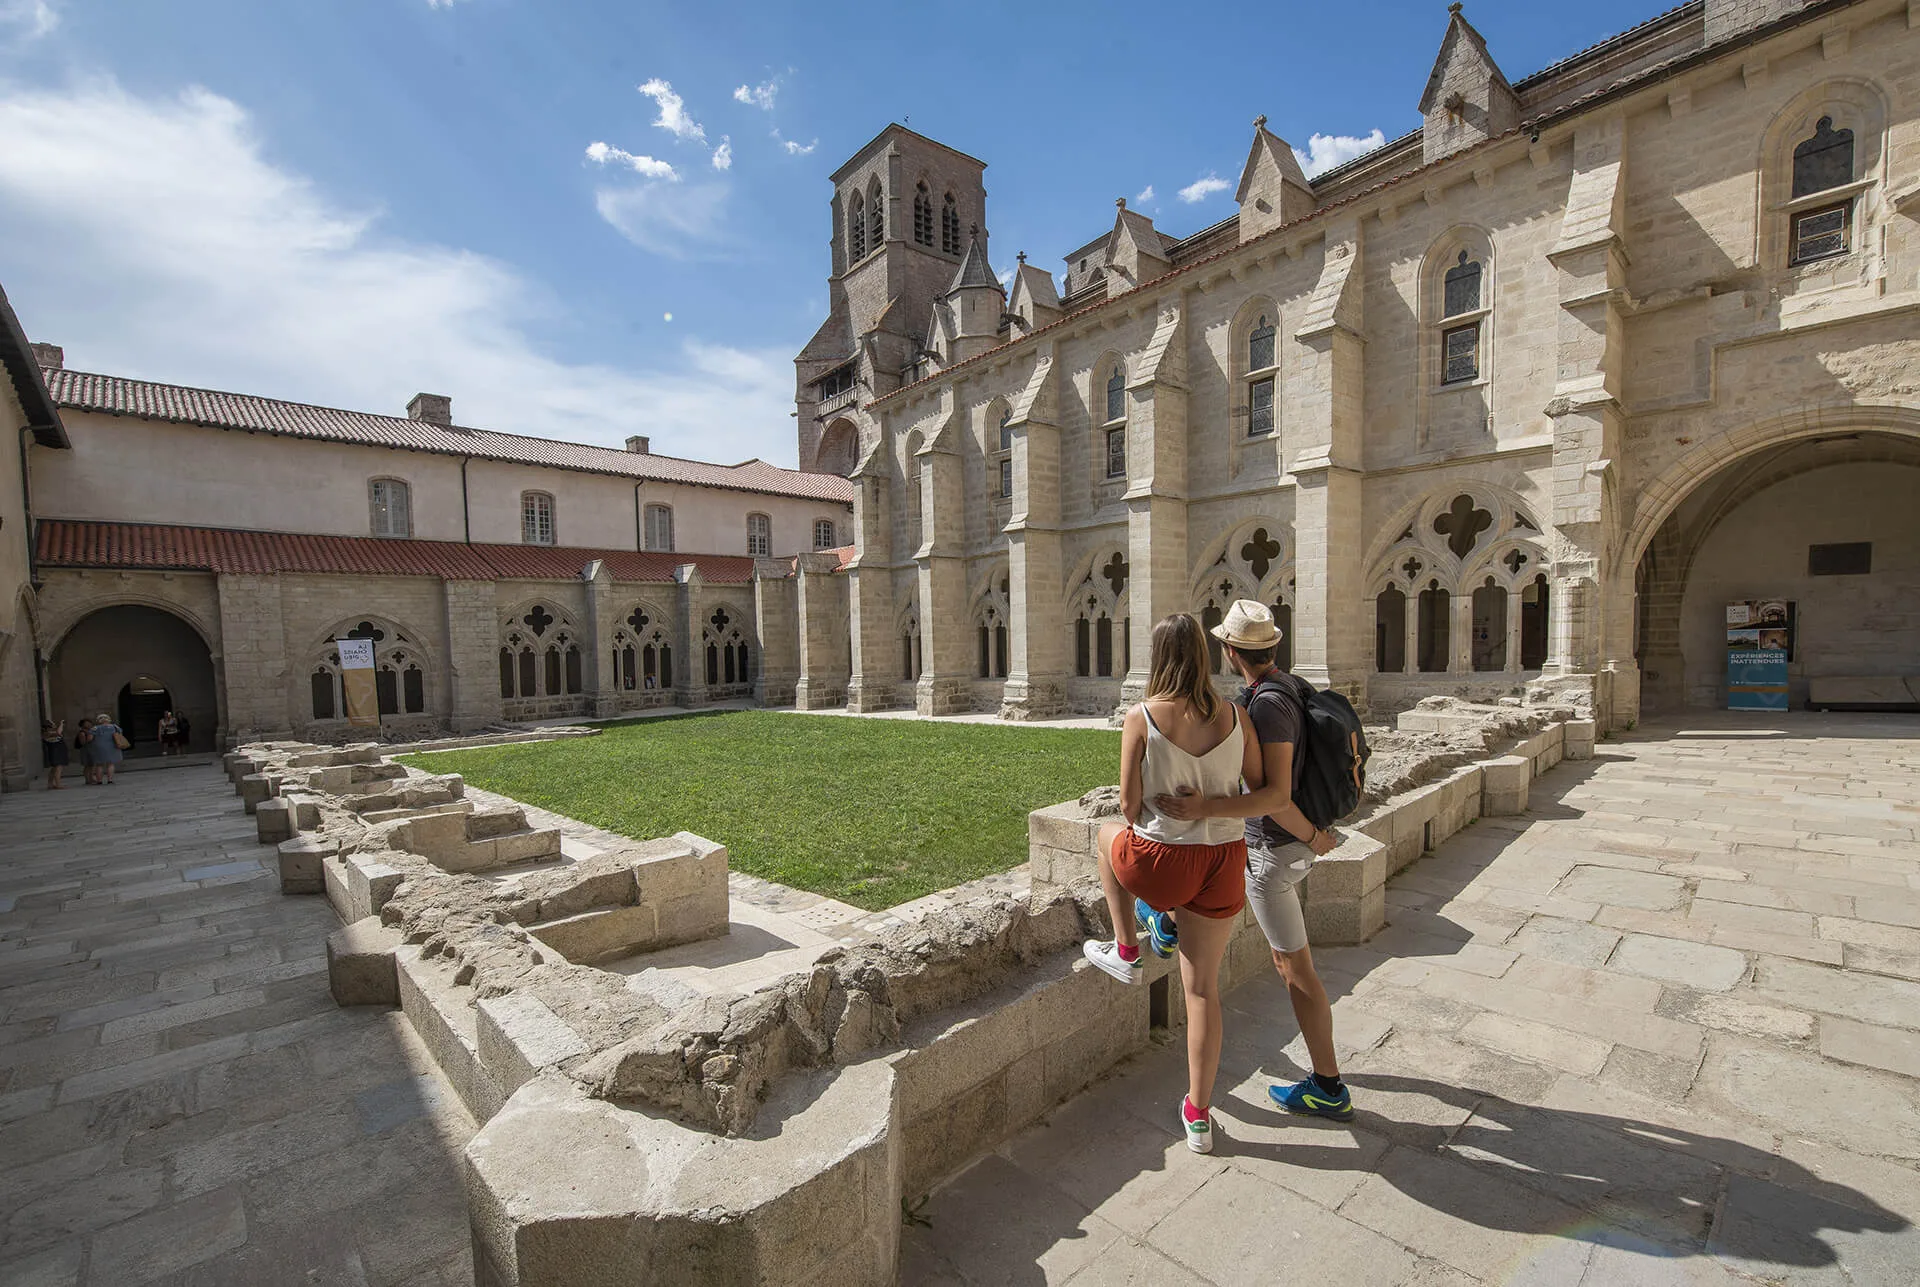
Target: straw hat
[1249,625]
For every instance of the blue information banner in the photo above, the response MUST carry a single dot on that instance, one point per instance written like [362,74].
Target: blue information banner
[1756,679]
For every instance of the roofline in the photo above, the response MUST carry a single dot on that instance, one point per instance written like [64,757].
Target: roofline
[29,385]
[477,454]
[893,127]
[1533,125]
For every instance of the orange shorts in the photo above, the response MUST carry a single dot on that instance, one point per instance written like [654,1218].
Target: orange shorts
[1208,879]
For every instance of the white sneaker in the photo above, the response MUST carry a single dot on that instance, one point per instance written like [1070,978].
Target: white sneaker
[1106,956]
[1200,1133]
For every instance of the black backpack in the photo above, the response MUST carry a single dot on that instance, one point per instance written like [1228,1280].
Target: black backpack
[1331,782]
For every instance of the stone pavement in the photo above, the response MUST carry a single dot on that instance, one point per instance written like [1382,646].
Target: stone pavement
[1664,1028]
[180,1100]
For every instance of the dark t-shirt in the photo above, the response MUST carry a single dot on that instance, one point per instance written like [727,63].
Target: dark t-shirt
[1276,718]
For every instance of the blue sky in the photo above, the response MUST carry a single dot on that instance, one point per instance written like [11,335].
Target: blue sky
[351,201]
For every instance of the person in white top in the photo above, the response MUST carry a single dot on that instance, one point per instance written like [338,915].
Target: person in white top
[1181,740]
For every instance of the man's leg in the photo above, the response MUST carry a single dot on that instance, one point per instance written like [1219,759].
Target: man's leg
[1311,1009]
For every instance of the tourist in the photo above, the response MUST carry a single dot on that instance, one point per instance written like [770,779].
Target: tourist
[109,747]
[169,732]
[1180,740]
[182,732]
[83,743]
[1281,847]
[53,751]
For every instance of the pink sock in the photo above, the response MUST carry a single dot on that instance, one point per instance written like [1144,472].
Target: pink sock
[1190,1113]
[1127,954]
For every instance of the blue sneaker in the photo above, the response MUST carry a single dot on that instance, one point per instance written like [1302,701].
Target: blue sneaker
[1306,1097]
[1162,935]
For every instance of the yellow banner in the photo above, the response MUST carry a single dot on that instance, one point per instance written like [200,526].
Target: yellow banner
[357,682]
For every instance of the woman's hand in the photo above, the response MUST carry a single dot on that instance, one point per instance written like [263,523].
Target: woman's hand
[1185,806]
[1323,843]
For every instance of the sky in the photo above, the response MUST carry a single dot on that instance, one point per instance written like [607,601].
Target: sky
[586,219]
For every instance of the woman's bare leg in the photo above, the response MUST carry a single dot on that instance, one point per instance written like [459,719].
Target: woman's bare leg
[1119,901]
[1203,944]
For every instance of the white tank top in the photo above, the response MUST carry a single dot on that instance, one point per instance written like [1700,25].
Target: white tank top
[1165,768]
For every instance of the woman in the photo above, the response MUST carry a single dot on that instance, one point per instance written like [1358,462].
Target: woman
[106,752]
[169,733]
[83,743]
[53,751]
[1181,740]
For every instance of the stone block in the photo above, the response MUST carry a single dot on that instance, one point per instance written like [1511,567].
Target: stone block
[360,965]
[333,779]
[485,823]
[256,787]
[600,935]
[273,821]
[302,864]
[519,1037]
[1064,827]
[469,856]
[691,918]
[1338,923]
[370,883]
[441,1012]
[526,846]
[1355,867]
[1504,785]
[1580,734]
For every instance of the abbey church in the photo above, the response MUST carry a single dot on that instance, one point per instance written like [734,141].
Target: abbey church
[1520,400]
[1516,403]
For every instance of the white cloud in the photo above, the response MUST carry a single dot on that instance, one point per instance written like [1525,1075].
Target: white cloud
[795,149]
[605,154]
[153,237]
[1201,189]
[440,4]
[1145,195]
[29,19]
[678,222]
[723,155]
[760,96]
[1324,151]
[673,112]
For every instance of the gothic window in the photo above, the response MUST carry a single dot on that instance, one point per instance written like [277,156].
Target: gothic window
[1005,454]
[1436,609]
[552,670]
[506,672]
[1082,647]
[392,509]
[1489,627]
[413,690]
[856,229]
[915,495]
[659,524]
[876,217]
[759,536]
[386,686]
[527,666]
[1822,161]
[910,650]
[322,683]
[922,215]
[1117,453]
[573,668]
[627,670]
[536,518]
[1283,621]
[1533,624]
[1260,407]
[1116,395]
[1390,631]
[1460,344]
[950,226]
[1211,616]
[824,537]
[1103,646]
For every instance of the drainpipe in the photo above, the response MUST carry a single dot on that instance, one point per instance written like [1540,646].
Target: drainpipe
[466,513]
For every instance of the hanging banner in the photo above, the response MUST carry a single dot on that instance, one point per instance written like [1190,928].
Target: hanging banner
[1759,647]
[357,683]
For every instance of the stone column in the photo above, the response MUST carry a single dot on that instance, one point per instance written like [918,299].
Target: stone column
[1329,612]
[1588,424]
[1158,574]
[253,652]
[876,674]
[473,655]
[1413,634]
[597,676]
[821,607]
[777,664]
[1460,634]
[945,686]
[1514,603]
[1037,669]
[690,676]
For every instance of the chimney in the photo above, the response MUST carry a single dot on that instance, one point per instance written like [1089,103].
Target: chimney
[638,445]
[50,356]
[433,408]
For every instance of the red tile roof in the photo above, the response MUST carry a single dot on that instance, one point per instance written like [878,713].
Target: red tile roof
[70,543]
[117,396]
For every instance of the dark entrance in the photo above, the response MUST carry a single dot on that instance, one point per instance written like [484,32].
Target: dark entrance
[142,703]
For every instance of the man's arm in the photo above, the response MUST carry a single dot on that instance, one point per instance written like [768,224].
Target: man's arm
[1273,800]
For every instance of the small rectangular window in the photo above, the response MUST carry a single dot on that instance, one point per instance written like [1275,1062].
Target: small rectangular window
[759,536]
[536,518]
[391,515]
[1006,477]
[1461,347]
[823,534]
[1854,558]
[1117,453]
[1821,234]
[1259,408]
[660,528]
[1260,349]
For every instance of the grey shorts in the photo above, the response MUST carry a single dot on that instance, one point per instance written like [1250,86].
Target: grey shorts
[1273,878]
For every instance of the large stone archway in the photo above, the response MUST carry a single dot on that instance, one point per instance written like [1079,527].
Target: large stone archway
[112,647]
[1750,528]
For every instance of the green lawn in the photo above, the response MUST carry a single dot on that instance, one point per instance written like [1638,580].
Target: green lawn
[873,812]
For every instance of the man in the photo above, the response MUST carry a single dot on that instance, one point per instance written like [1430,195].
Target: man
[1281,846]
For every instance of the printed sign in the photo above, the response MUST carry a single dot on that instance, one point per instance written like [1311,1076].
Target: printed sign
[1759,651]
[357,682]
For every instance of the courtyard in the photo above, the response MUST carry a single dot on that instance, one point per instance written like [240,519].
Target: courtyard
[871,812]
[1664,1027]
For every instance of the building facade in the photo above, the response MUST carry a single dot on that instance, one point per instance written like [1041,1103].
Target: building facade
[203,552]
[1518,400]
